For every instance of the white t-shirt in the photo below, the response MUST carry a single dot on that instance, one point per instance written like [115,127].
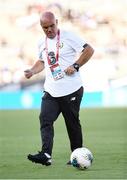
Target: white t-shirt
[70,45]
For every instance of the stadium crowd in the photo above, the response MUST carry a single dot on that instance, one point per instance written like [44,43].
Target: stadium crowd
[103,24]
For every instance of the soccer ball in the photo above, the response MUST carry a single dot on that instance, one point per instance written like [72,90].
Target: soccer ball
[81,158]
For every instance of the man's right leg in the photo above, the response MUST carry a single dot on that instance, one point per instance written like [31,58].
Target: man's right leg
[49,112]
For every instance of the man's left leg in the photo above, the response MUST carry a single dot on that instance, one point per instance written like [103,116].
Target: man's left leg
[70,106]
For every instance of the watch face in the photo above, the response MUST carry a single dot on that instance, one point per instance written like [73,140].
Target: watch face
[76,66]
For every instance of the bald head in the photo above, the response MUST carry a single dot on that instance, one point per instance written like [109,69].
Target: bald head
[47,16]
[48,23]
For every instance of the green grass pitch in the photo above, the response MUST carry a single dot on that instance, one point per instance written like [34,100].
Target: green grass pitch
[104,133]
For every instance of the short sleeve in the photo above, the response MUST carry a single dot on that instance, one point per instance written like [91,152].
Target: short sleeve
[40,50]
[76,42]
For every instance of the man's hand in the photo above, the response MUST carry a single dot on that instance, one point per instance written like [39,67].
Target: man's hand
[28,73]
[70,70]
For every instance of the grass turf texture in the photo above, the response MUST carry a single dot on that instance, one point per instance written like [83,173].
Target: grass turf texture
[104,133]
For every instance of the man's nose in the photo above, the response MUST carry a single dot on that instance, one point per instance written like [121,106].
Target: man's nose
[49,28]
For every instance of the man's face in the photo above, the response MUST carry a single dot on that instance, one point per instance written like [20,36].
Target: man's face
[49,27]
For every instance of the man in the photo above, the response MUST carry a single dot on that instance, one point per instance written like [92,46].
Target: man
[63,89]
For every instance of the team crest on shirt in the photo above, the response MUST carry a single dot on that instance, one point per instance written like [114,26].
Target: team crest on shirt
[60,45]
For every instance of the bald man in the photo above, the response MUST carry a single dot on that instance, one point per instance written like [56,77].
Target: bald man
[63,88]
[49,24]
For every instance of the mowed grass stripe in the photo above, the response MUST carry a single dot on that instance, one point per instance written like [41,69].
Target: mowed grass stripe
[104,133]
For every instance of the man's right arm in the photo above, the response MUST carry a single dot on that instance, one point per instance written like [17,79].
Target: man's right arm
[37,67]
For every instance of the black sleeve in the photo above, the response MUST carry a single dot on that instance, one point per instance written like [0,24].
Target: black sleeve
[85,45]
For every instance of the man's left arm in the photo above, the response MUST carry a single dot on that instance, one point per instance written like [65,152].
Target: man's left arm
[86,54]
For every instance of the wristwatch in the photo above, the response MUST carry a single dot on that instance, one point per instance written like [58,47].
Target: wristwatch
[76,66]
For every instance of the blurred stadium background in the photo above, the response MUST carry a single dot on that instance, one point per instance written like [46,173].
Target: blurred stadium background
[102,23]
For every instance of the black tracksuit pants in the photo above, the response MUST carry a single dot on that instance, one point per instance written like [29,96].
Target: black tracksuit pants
[51,107]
